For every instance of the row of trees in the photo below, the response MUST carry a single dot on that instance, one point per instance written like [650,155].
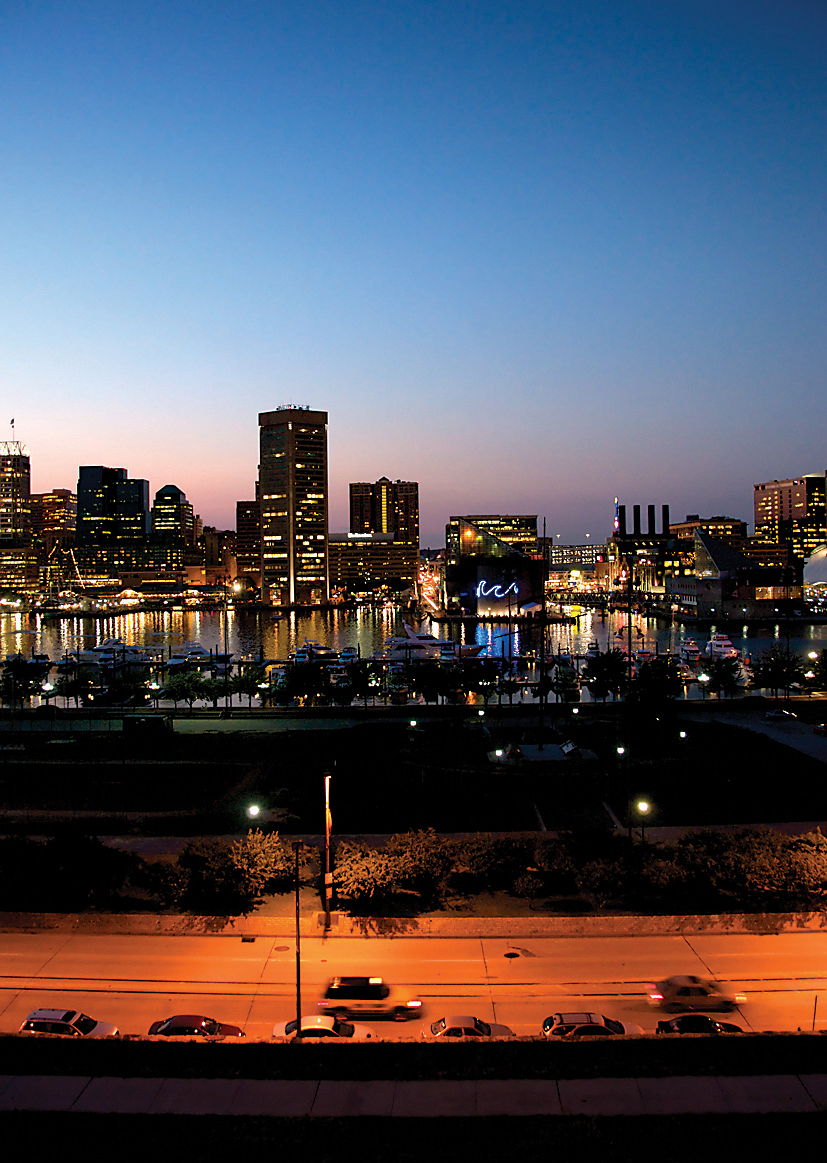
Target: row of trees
[753,869]
[777,669]
[71,872]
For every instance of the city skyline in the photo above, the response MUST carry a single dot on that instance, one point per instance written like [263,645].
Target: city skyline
[531,256]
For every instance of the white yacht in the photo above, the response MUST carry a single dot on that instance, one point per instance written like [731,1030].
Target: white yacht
[720,646]
[112,652]
[435,645]
[190,654]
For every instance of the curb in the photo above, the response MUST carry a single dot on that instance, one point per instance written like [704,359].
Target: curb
[111,924]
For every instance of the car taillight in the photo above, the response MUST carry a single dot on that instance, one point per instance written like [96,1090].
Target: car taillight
[413,1005]
[656,996]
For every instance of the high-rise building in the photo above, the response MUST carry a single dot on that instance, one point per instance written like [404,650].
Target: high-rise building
[15,483]
[386,506]
[293,491]
[173,520]
[111,506]
[793,511]
[54,515]
[18,561]
[248,539]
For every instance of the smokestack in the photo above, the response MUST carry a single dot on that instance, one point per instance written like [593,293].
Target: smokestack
[664,509]
[636,520]
[621,520]
[650,518]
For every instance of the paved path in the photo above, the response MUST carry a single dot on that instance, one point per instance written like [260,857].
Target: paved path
[761,1094]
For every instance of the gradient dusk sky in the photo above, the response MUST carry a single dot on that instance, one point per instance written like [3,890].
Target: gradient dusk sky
[530,254]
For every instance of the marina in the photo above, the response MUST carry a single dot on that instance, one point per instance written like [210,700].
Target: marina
[174,641]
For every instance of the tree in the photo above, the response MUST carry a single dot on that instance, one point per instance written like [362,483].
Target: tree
[487,863]
[187,688]
[606,674]
[262,862]
[657,681]
[776,669]
[247,682]
[364,872]
[216,877]
[724,676]
[424,860]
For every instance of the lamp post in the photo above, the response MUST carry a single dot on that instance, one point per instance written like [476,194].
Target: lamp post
[703,680]
[296,848]
[328,876]
[226,644]
[643,807]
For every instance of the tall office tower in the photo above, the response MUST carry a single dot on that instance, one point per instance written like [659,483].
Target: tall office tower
[15,482]
[111,506]
[173,520]
[248,538]
[293,490]
[793,512]
[386,507]
[54,515]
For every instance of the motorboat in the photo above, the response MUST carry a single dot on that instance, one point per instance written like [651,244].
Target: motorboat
[720,646]
[320,653]
[190,654]
[112,652]
[435,645]
[690,651]
[593,649]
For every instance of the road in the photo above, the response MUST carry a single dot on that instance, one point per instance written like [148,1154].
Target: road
[134,980]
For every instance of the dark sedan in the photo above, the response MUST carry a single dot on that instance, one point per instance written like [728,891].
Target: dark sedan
[194,1026]
[697,1024]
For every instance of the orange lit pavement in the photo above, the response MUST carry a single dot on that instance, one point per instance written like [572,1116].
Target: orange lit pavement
[133,980]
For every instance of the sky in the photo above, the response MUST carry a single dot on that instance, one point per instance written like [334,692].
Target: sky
[531,254]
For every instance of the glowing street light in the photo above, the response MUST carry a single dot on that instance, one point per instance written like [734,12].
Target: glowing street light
[643,809]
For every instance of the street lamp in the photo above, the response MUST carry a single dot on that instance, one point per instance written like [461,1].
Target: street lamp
[703,679]
[297,849]
[643,808]
[328,875]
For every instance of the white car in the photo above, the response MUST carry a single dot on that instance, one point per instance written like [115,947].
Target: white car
[680,994]
[465,1026]
[67,1022]
[327,1026]
[583,1025]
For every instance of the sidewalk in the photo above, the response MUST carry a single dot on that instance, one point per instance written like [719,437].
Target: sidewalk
[763,1094]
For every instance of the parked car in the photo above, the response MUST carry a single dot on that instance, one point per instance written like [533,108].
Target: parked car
[368,995]
[465,1026]
[780,714]
[696,1024]
[194,1026]
[68,1022]
[582,1025]
[692,993]
[325,1026]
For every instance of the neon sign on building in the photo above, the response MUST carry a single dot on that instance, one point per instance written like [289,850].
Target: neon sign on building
[495,591]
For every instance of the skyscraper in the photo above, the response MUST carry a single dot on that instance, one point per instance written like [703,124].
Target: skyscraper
[111,506]
[293,490]
[793,511]
[15,484]
[386,507]
[173,520]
